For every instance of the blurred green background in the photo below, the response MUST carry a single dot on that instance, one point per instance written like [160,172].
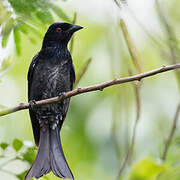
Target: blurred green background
[98,129]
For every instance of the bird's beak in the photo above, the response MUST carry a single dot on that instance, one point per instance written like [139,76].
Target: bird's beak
[75,28]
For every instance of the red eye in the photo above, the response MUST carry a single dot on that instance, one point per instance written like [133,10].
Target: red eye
[58,29]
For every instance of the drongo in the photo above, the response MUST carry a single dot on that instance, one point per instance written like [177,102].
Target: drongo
[51,73]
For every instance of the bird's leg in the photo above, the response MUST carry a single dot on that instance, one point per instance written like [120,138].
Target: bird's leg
[62,94]
[31,104]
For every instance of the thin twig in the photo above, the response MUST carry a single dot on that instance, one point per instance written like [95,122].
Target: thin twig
[97,87]
[115,110]
[117,3]
[82,72]
[136,61]
[72,40]
[170,137]
[133,15]
[172,40]
[120,2]
[131,148]
[131,47]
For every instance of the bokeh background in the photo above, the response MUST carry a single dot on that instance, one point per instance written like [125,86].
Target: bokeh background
[98,129]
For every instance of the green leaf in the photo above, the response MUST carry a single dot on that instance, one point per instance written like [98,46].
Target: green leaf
[44,17]
[23,28]
[29,155]
[3,145]
[170,173]
[22,175]
[45,177]
[6,30]
[17,40]
[32,29]
[146,169]
[17,144]
[5,40]
[5,64]
[60,13]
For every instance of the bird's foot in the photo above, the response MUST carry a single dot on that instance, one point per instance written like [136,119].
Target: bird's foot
[63,95]
[31,104]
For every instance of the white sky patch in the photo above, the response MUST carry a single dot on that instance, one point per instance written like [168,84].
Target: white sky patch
[28,143]
[99,124]
[9,86]
[106,12]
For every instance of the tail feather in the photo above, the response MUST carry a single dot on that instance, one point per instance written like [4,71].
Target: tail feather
[59,164]
[50,156]
[41,164]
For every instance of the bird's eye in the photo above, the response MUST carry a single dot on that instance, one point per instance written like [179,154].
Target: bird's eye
[58,29]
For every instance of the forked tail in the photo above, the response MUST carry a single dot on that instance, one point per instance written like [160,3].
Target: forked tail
[49,157]
[59,164]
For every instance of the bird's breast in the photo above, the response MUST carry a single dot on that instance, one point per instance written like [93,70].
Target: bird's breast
[53,79]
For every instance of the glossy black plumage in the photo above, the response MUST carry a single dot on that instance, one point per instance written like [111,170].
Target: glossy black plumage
[51,73]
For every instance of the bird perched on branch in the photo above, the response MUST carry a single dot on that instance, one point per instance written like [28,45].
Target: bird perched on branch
[51,73]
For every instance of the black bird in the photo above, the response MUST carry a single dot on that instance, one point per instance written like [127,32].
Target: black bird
[51,73]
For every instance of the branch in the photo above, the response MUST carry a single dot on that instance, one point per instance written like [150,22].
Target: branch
[138,110]
[136,61]
[168,141]
[131,148]
[97,87]
[131,47]
[119,3]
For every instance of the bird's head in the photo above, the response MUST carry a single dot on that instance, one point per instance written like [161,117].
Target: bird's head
[59,33]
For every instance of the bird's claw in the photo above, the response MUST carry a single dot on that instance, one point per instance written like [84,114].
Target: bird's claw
[62,94]
[31,104]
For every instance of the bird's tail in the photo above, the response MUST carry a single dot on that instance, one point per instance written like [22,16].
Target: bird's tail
[50,156]
[41,164]
[59,164]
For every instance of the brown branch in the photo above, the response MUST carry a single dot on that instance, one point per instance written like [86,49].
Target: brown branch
[97,87]
[169,139]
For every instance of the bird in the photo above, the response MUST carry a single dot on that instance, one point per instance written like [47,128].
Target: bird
[51,73]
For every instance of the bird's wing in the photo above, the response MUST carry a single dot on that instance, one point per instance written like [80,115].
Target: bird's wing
[34,121]
[31,70]
[72,76]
